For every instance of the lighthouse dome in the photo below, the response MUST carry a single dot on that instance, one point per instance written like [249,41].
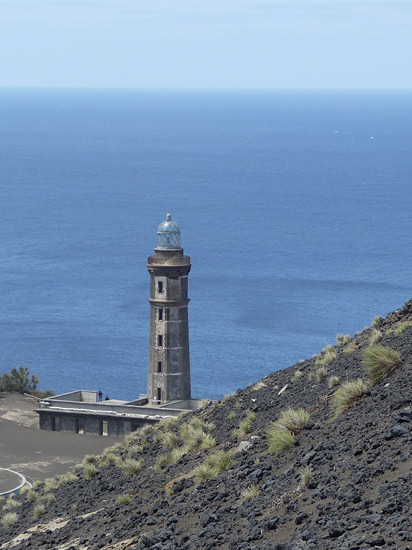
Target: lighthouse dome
[168,234]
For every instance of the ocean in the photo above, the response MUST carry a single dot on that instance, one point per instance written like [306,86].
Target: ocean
[295,208]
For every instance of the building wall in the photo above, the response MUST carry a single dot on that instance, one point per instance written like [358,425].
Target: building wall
[90,424]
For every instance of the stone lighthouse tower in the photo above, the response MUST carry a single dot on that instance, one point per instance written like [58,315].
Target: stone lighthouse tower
[169,362]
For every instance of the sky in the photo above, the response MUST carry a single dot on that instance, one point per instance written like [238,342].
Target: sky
[207,44]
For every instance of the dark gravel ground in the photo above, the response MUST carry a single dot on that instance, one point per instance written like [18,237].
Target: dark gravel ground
[359,496]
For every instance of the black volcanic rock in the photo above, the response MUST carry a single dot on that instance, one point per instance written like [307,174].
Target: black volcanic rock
[359,495]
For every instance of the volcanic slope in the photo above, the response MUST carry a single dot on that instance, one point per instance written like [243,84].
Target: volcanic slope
[242,473]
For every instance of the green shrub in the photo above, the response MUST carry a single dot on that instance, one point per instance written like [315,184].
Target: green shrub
[292,420]
[380,362]
[333,381]
[231,415]
[311,375]
[349,349]
[50,484]
[132,438]
[377,320]
[346,395]
[244,426]
[110,458]
[250,492]
[38,511]
[9,520]
[177,453]
[327,357]
[194,437]
[18,380]
[402,326]
[169,440]
[204,472]
[49,499]
[132,467]
[67,478]
[167,423]
[89,459]
[133,451]
[89,471]
[306,475]
[42,394]
[124,499]
[279,440]
[169,491]
[32,496]
[162,461]
[214,465]
[321,374]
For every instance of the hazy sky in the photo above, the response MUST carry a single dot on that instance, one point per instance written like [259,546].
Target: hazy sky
[206,43]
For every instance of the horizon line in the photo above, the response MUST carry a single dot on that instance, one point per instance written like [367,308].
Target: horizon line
[194,89]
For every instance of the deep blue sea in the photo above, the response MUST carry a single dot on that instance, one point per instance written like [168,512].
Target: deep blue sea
[295,208]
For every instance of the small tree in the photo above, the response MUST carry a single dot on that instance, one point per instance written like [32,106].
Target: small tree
[18,380]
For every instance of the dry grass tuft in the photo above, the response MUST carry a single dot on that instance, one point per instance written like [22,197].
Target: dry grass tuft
[131,467]
[292,420]
[244,426]
[214,465]
[38,511]
[279,440]
[11,504]
[89,471]
[327,357]
[250,492]
[124,499]
[375,336]
[333,381]
[402,326]
[9,520]
[306,475]
[342,339]
[380,362]
[346,395]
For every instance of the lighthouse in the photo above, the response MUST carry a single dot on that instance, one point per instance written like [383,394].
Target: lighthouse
[169,360]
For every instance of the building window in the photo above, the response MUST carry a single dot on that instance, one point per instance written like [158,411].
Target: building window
[80,425]
[166,314]
[160,287]
[160,340]
[160,314]
[159,394]
[159,366]
[105,427]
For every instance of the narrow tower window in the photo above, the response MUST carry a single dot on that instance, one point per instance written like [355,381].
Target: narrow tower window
[159,394]
[160,340]
[160,314]
[160,287]
[159,366]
